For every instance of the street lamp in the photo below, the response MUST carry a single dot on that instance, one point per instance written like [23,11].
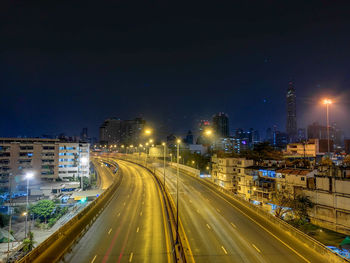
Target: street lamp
[29,176]
[148,131]
[177,191]
[164,152]
[327,102]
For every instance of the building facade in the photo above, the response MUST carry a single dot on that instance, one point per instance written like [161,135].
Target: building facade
[116,131]
[221,125]
[70,162]
[19,156]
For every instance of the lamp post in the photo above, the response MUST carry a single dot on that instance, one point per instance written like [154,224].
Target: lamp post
[327,102]
[29,176]
[177,191]
[164,153]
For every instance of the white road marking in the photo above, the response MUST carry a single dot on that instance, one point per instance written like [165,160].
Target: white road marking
[137,230]
[232,224]
[92,261]
[224,250]
[130,258]
[208,226]
[256,248]
[109,231]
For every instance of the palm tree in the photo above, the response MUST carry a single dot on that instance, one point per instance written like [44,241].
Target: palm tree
[28,243]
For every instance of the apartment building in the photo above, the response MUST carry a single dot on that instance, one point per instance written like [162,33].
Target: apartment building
[73,160]
[331,197]
[19,156]
[225,171]
[307,149]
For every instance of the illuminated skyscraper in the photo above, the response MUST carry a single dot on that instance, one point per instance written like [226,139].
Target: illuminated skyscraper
[291,127]
[221,125]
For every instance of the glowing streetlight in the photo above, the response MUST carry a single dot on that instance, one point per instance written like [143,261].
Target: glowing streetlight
[327,102]
[208,132]
[150,140]
[148,131]
[177,191]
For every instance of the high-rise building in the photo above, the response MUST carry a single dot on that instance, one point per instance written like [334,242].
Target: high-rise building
[301,134]
[116,131]
[291,126]
[189,138]
[202,139]
[221,125]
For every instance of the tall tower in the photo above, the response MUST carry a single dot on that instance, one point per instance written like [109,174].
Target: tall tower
[221,125]
[291,127]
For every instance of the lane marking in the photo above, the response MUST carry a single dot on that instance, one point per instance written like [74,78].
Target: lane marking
[208,226]
[268,231]
[232,224]
[130,258]
[124,203]
[137,230]
[217,209]
[119,214]
[224,250]
[109,231]
[256,248]
[93,260]
[141,213]
[143,202]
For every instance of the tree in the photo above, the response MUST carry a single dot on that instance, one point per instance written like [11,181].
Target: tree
[283,201]
[43,209]
[301,204]
[326,161]
[346,160]
[28,243]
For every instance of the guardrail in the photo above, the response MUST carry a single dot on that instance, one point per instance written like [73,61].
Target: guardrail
[275,222]
[182,252]
[61,241]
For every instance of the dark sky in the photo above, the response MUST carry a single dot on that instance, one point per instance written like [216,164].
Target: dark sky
[66,65]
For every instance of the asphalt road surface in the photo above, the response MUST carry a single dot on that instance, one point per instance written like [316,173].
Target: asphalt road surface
[220,231]
[132,228]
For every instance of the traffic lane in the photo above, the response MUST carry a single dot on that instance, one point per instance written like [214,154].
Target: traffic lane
[206,231]
[92,245]
[152,243]
[235,227]
[106,177]
[272,245]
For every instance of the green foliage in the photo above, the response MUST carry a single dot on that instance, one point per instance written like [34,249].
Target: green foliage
[301,204]
[28,243]
[326,161]
[284,202]
[262,151]
[43,209]
[346,160]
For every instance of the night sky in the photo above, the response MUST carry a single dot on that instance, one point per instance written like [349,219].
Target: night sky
[66,65]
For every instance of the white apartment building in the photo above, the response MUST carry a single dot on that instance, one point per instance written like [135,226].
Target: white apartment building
[225,171]
[73,160]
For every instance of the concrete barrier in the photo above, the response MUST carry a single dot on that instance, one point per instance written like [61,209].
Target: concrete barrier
[57,245]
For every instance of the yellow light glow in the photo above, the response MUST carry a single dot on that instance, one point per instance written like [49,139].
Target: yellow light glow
[178,141]
[207,167]
[150,140]
[122,146]
[148,131]
[163,143]
[140,145]
[327,101]
[208,132]
[131,146]
[192,161]
[146,143]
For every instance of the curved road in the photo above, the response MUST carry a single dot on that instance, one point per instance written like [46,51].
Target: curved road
[132,228]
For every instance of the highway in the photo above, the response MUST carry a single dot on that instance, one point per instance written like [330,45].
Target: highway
[132,228]
[220,231]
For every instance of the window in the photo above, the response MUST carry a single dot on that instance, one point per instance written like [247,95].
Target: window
[303,178]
